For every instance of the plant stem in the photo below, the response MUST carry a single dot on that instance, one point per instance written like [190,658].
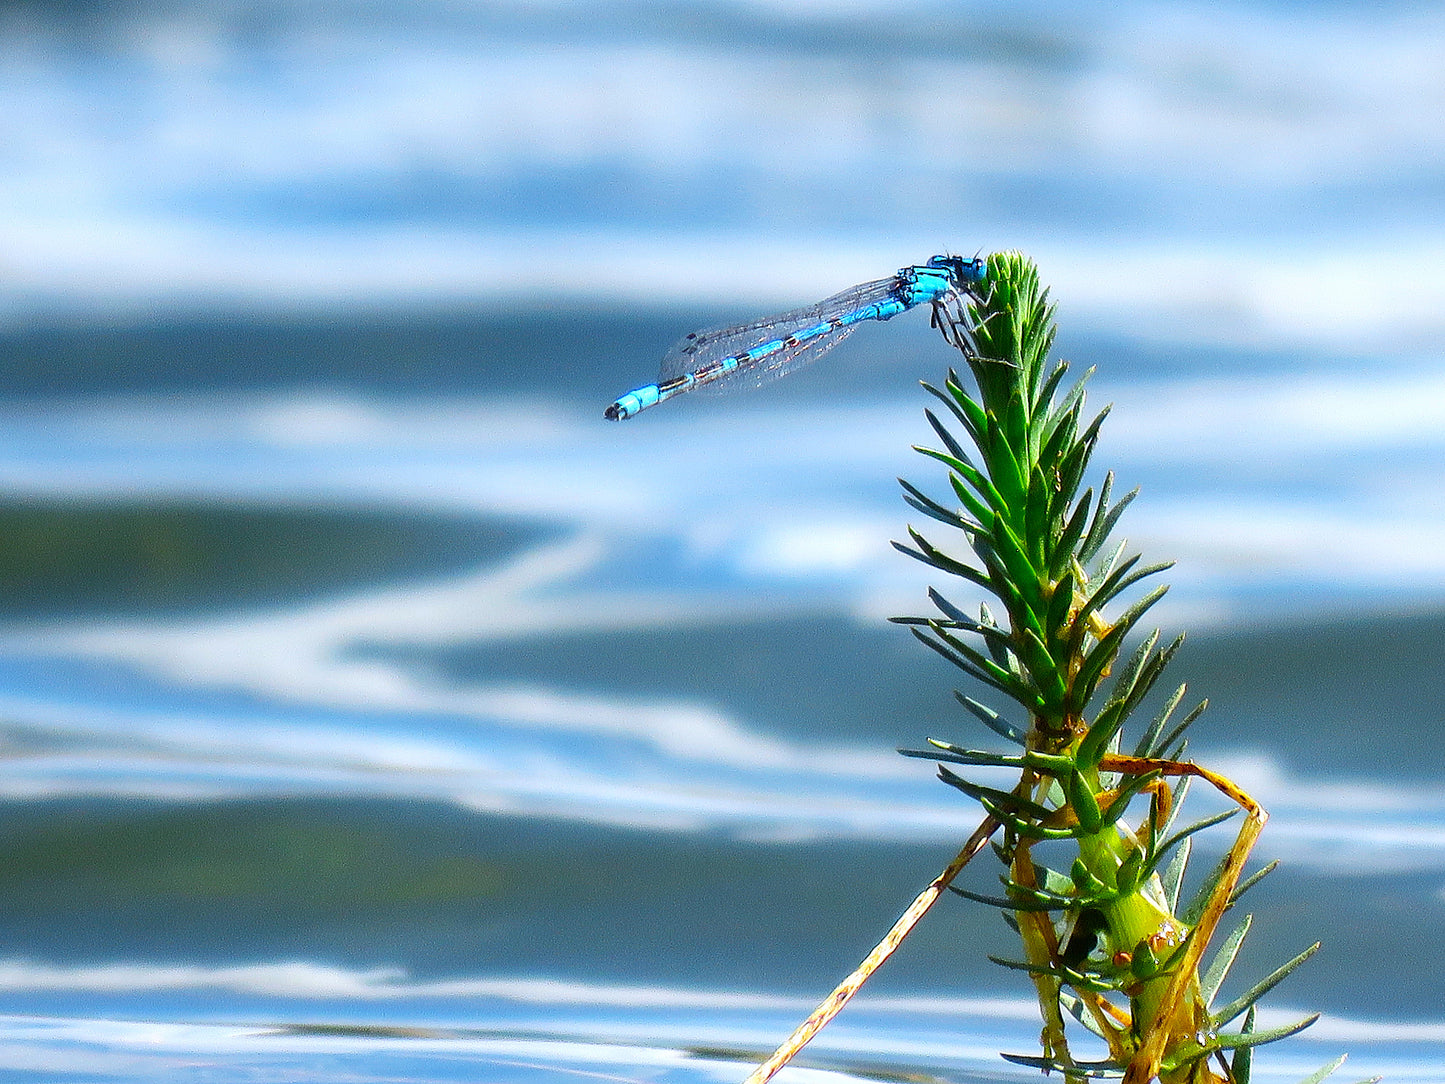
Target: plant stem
[843,993]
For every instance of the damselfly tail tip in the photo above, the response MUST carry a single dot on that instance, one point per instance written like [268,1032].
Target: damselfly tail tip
[614,413]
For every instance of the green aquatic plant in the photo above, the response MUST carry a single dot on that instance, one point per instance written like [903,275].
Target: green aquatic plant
[1093,861]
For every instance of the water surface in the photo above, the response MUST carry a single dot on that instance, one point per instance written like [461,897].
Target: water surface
[371,709]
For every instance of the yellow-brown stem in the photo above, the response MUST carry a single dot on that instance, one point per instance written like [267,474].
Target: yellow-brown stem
[1041,946]
[1144,1066]
[835,1001]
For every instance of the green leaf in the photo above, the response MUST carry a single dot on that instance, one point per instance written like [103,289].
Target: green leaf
[1126,794]
[1055,793]
[1177,954]
[1061,601]
[1016,430]
[1163,746]
[916,499]
[1024,575]
[1325,1070]
[1044,674]
[1117,581]
[1075,395]
[1085,805]
[1015,804]
[1096,741]
[1051,384]
[1050,881]
[955,409]
[1177,797]
[1053,764]
[1001,676]
[1063,547]
[1134,694]
[1092,669]
[1039,523]
[1129,675]
[1004,685]
[1173,877]
[1000,648]
[1242,1064]
[1010,905]
[1096,533]
[1076,1008]
[990,633]
[1223,961]
[976,418]
[1084,883]
[991,719]
[1144,964]
[1131,873]
[976,758]
[1147,739]
[1094,1069]
[1001,651]
[1252,880]
[984,512]
[954,613]
[1134,577]
[1055,434]
[946,564]
[1104,567]
[1104,523]
[987,672]
[1073,465]
[1259,989]
[1061,973]
[1004,470]
[1098,597]
[991,500]
[960,404]
[955,449]
[1259,1038]
[1197,902]
[1027,829]
[1197,826]
[1143,679]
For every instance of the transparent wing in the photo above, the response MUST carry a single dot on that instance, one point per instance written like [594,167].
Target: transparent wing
[702,348]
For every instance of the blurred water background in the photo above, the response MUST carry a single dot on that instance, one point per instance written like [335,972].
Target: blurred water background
[370,709]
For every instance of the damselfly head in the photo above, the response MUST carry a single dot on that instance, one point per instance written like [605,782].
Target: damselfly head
[963,272]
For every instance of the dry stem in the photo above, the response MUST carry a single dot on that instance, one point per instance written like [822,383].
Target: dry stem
[849,986]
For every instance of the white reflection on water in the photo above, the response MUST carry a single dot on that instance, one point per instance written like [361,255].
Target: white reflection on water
[533,753]
[657,537]
[570,1027]
[173,157]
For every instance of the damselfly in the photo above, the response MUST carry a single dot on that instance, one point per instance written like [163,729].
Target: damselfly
[759,351]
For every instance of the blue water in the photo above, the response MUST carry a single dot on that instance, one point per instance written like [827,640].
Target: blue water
[370,709]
